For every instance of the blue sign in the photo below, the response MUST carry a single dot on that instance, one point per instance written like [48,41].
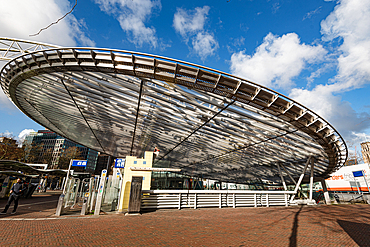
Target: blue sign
[82,163]
[120,163]
[358,174]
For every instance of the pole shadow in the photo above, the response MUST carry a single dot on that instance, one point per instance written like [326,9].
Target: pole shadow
[359,232]
[293,236]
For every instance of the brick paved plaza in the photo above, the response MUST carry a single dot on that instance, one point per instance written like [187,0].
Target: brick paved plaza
[338,225]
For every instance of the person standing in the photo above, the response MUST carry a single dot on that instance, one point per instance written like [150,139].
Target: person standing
[156,153]
[15,192]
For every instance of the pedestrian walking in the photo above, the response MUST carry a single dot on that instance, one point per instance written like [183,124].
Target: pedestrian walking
[15,192]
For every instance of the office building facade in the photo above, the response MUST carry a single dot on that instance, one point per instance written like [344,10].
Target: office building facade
[53,149]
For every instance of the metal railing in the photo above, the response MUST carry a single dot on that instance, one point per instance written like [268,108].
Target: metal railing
[156,199]
[349,196]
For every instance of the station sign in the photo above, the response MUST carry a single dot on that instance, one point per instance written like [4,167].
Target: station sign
[120,163]
[358,174]
[81,163]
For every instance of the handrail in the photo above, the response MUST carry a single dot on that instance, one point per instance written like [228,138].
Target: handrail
[219,191]
[155,199]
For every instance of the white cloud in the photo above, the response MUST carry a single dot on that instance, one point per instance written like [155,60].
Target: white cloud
[23,134]
[204,44]
[19,19]
[276,61]
[191,22]
[360,137]
[131,16]
[340,114]
[190,25]
[349,23]
[7,134]
[20,138]
[312,13]
[279,59]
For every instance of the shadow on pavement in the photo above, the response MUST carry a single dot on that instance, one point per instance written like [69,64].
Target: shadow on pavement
[293,236]
[359,232]
[44,203]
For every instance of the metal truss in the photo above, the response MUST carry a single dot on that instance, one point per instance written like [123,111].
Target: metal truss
[208,123]
[12,48]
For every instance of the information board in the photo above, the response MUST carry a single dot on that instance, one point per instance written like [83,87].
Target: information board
[82,163]
[120,163]
[358,174]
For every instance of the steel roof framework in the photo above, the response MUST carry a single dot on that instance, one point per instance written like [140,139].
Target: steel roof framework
[206,122]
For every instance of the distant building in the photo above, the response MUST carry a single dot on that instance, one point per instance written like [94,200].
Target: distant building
[365,149]
[102,163]
[54,146]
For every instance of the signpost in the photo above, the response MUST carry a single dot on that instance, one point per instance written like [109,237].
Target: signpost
[360,174]
[80,163]
[103,178]
[357,174]
[119,163]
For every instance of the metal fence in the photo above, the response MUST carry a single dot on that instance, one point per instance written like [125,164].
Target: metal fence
[349,197]
[156,199]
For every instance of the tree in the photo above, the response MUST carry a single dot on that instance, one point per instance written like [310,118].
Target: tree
[67,155]
[9,149]
[47,156]
[32,152]
[354,155]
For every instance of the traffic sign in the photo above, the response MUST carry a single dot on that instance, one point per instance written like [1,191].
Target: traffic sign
[82,163]
[358,174]
[120,163]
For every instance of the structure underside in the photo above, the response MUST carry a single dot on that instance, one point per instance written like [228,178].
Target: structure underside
[208,123]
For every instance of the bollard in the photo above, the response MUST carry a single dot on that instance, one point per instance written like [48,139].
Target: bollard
[114,205]
[84,205]
[60,205]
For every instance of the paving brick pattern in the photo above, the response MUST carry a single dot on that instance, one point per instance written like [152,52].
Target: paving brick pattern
[336,225]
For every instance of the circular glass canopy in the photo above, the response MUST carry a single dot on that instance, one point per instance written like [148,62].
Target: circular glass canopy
[208,123]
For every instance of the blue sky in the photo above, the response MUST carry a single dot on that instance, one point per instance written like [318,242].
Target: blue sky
[316,52]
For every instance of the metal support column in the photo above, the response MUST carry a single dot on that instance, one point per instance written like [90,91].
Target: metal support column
[326,193]
[281,176]
[290,176]
[368,189]
[300,178]
[63,182]
[108,163]
[311,177]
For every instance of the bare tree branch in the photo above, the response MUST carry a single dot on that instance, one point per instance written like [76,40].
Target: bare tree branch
[54,22]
